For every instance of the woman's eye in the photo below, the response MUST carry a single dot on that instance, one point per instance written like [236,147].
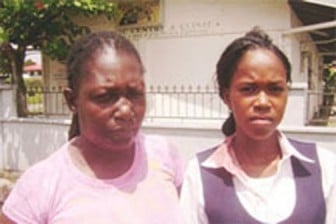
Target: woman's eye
[135,94]
[248,89]
[107,97]
[276,89]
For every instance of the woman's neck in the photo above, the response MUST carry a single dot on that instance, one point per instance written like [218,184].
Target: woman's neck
[100,162]
[258,158]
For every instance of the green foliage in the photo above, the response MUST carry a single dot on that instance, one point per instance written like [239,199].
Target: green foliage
[5,63]
[46,25]
[34,98]
[34,86]
[330,79]
[29,62]
[34,82]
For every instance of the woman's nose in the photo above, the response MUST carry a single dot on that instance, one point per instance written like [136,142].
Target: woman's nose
[124,109]
[262,100]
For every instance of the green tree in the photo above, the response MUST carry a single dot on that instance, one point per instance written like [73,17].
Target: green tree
[46,25]
[329,79]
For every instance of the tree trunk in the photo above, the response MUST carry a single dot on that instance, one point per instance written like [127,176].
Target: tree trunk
[21,100]
[17,72]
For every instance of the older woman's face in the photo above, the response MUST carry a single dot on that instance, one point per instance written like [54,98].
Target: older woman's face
[258,93]
[111,99]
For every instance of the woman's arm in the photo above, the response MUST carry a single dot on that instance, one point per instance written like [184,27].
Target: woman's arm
[328,171]
[5,220]
[191,200]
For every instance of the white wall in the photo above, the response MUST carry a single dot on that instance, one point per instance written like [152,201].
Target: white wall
[24,142]
[196,32]
[7,101]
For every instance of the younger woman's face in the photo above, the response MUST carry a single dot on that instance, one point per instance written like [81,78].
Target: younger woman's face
[258,93]
[111,99]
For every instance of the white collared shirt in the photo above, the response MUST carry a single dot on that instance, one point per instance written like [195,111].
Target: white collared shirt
[269,200]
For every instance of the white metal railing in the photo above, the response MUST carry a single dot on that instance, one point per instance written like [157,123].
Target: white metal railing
[163,102]
[180,103]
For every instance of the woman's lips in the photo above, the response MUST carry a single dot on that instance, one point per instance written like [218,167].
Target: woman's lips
[261,119]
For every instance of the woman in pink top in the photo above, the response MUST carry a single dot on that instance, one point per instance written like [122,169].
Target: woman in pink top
[108,172]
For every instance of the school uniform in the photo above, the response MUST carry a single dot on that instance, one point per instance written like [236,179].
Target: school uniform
[217,190]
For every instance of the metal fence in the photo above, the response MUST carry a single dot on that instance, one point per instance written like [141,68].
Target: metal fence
[321,108]
[184,103]
[163,103]
[47,102]
[180,103]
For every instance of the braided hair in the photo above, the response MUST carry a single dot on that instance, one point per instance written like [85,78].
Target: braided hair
[86,49]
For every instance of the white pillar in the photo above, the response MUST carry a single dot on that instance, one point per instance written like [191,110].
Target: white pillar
[7,101]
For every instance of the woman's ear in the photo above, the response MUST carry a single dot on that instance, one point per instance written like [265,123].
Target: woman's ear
[226,97]
[69,96]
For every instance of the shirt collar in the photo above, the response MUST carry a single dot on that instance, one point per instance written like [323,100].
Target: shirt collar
[289,150]
[224,156]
